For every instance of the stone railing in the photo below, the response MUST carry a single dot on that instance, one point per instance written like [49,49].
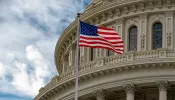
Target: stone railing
[103,63]
[61,78]
[128,57]
[132,56]
[87,66]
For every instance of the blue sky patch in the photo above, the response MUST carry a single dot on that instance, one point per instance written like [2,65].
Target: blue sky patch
[29,32]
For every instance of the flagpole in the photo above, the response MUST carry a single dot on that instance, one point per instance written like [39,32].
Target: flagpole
[77,57]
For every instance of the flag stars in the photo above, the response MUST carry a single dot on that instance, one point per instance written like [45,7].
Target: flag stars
[87,29]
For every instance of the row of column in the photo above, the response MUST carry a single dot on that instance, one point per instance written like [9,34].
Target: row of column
[130,91]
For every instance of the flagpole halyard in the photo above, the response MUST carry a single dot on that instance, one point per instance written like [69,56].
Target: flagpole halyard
[77,57]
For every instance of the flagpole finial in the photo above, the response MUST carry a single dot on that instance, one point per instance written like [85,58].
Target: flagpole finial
[78,15]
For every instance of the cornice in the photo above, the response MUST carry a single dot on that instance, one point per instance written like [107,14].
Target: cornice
[58,85]
[101,16]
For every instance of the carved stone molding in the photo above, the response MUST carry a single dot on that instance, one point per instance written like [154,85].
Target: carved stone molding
[129,88]
[157,18]
[118,12]
[169,38]
[144,16]
[169,4]
[126,10]
[120,21]
[81,59]
[162,85]
[134,9]
[97,52]
[133,21]
[110,14]
[100,94]
[169,13]
[142,7]
[151,6]
[142,41]
[159,4]
[55,79]
[103,17]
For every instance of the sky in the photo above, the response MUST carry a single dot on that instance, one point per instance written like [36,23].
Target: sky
[29,30]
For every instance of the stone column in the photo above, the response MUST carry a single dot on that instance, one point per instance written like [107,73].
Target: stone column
[99,94]
[70,58]
[73,55]
[130,89]
[162,90]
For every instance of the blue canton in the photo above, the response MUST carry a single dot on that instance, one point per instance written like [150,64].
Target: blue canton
[87,29]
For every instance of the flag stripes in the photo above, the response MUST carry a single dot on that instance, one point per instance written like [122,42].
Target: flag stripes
[100,37]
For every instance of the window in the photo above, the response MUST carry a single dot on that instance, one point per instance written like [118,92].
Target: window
[91,54]
[157,35]
[133,38]
[110,53]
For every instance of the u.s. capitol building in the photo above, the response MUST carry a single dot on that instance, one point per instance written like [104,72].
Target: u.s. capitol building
[146,70]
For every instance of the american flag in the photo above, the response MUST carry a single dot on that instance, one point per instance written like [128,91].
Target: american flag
[100,37]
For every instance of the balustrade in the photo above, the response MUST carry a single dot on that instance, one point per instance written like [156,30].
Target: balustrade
[112,60]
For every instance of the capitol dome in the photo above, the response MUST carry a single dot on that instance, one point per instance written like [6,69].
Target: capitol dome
[146,70]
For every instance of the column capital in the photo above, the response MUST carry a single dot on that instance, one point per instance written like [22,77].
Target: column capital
[144,16]
[129,88]
[120,21]
[100,94]
[169,13]
[162,85]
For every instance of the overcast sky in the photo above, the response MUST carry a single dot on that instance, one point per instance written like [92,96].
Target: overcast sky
[29,30]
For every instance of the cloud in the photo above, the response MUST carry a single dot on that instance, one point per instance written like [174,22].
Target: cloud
[33,54]
[25,78]
[29,32]
[27,81]
[3,70]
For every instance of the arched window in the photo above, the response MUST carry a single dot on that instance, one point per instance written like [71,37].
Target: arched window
[157,35]
[133,38]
